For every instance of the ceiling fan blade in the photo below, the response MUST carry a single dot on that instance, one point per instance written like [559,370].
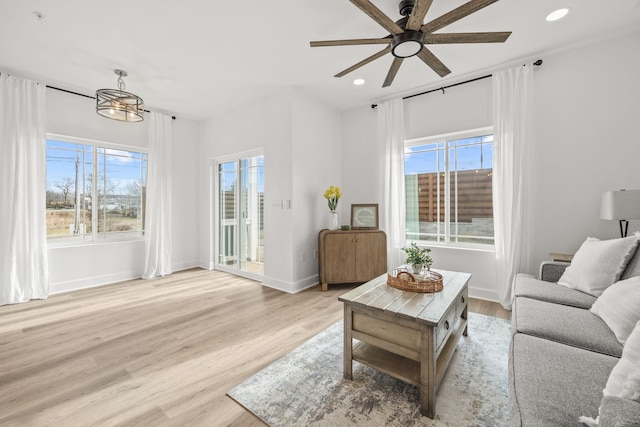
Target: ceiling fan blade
[417,14]
[494,37]
[350,42]
[430,59]
[395,66]
[377,15]
[455,15]
[365,61]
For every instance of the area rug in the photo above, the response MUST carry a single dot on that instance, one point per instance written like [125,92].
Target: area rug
[306,387]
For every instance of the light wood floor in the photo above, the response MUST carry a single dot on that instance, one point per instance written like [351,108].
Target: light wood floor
[153,353]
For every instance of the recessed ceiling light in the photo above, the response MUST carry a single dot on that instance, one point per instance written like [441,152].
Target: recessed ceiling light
[358,82]
[557,14]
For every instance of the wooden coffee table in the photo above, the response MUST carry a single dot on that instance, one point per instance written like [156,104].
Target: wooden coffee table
[411,336]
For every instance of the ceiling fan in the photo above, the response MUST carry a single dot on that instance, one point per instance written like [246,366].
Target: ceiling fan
[409,35]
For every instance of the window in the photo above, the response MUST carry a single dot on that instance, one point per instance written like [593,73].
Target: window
[94,192]
[449,191]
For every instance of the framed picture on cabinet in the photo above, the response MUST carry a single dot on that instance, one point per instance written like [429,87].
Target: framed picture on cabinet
[364,217]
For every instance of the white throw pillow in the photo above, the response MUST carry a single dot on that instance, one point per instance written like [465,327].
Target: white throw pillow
[619,307]
[632,386]
[622,374]
[598,264]
[623,380]
[633,268]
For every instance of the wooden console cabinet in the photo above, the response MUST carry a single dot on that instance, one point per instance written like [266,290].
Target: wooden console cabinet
[355,256]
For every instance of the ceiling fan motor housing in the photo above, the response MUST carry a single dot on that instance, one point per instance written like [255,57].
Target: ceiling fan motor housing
[406,6]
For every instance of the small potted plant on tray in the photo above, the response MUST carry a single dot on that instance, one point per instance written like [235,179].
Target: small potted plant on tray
[418,258]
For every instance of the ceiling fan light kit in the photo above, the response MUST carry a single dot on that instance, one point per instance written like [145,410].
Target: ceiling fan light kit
[117,104]
[407,44]
[409,35]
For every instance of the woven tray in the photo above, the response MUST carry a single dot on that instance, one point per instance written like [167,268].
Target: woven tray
[429,281]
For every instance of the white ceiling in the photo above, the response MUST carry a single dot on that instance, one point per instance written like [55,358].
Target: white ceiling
[196,58]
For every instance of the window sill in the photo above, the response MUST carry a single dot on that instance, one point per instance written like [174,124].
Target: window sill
[71,244]
[474,248]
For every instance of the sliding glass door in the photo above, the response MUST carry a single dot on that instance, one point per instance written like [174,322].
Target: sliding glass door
[240,215]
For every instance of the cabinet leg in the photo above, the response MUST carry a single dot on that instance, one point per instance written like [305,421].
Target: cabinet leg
[325,287]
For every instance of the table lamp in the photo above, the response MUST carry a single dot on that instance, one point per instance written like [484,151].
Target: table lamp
[621,205]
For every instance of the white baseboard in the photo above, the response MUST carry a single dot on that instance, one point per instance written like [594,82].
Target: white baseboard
[184,265]
[290,287]
[109,279]
[206,265]
[483,293]
[306,283]
[92,282]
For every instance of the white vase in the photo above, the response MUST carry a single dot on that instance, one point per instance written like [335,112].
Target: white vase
[334,221]
[417,268]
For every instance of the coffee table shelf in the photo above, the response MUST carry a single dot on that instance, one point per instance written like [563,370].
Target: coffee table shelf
[400,367]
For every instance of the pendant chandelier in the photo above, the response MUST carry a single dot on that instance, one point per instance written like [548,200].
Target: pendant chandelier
[119,105]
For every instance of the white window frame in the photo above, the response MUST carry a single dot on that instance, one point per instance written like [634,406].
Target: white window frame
[447,138]
[96,236]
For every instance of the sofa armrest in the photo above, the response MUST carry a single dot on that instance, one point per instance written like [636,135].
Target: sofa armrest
[551,271]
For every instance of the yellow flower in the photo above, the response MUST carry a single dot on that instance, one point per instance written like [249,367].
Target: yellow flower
[332,195]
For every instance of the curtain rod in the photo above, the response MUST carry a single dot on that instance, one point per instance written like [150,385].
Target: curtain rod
[442,88]
[88,96]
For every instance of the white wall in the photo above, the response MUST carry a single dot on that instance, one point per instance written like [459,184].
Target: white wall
[361,174]
[78,266]
[317,164]
[300,137]
[587,113]
[586,107]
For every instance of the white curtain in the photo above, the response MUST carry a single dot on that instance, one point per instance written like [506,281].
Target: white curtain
[24,272]
[512,100]
[158,215]
[391,140]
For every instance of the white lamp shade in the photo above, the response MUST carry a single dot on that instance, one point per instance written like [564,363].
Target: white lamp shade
[624,204]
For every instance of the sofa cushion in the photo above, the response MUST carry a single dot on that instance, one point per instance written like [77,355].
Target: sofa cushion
[623,381]
[568,325]
[530,287]
[619,307]
[568,380]
[617,411]
[598,264]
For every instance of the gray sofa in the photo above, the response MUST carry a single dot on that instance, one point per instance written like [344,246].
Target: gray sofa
[561,356]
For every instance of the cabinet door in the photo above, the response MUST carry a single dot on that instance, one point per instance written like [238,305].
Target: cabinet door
[371,255]
[340,258]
